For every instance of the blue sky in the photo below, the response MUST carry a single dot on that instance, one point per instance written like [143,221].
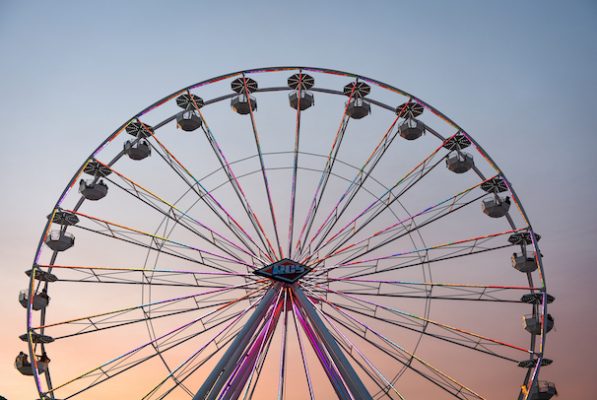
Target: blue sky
[519,75]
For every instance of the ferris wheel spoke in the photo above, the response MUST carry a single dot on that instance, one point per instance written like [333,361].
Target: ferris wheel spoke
[157,247]
[482,296]
[209,199]
[455,339]
[169,340]
[182,375]
[374,307]
[406,226]
[456,249]
[375,268]
[144,276]
[382,382]
[238,190]
[158,243]
[297,137]
[160,309]
[368,370]
[319,191]
[395,352]
[190,365]
[440,375]
[107,374]
[374,284]
[368,367]
[227,340]
[422,290]
[126,361]
[180,217]
[381,204]
[410,259]
[93,327]
[363,173]
[263,169]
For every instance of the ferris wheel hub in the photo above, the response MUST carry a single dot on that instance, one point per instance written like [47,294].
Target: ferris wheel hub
[285,270]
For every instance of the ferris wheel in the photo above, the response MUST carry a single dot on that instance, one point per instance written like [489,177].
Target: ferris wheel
[289,233]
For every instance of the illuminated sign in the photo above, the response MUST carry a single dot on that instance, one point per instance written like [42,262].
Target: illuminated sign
[284,270]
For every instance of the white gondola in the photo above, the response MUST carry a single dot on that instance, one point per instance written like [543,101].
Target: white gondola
[60,241]
[496,207]
[543,390]
[189,120]
[307,99]
[93,191]
[532,323]
[459,162]
[240,104]
[524,262]
[358,108]
[24,366]
[411,129]
[137,150]
[40,300]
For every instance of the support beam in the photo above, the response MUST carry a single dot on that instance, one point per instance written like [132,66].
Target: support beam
[225,367]
[328,366]
[349,376]
[247,367]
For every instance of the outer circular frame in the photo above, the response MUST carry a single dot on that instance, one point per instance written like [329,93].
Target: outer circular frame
[531,377]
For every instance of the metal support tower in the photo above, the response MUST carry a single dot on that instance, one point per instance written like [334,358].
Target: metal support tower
[222,371]
[349,376]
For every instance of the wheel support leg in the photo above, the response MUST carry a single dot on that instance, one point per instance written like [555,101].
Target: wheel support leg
[349,376]
[238,382]
[222,371]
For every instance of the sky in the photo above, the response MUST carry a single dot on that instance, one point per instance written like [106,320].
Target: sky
[518,75]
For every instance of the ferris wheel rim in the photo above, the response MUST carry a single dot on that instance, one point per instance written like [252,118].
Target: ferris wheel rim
[542,289]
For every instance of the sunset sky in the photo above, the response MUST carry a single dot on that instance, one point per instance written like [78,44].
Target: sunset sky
[518,75]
